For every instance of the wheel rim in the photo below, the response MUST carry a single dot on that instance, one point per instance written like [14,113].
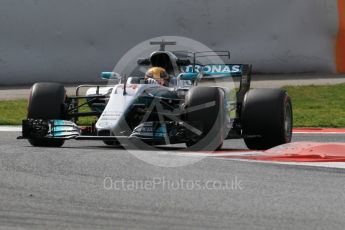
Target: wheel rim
[288,121]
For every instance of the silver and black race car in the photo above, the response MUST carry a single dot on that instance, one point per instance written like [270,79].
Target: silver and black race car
[203,105]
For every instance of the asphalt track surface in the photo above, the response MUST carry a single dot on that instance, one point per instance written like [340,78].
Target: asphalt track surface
[50,188]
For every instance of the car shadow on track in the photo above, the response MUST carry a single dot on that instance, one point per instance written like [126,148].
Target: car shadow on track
[155,148]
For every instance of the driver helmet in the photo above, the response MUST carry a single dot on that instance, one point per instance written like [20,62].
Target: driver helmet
[159,74]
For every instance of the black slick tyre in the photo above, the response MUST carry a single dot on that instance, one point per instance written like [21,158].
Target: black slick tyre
[266,118]
[204,108]
[46,102]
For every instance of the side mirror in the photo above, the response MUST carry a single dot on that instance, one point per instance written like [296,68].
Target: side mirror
[144,62]
[188,76]
[109,75]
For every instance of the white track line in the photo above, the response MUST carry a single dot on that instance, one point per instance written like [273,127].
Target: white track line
[318,133]
[334,165]
[223,155]
[232,156]
[7,128]
[220,155]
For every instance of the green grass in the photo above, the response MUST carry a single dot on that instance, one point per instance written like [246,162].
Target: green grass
[318,106]
[12,112]
[313,106]
[85,120]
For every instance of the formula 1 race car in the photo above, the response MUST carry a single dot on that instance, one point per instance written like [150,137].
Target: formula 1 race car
[194,108]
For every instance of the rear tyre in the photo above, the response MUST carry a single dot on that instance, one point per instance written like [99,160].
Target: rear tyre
[205,113]
[266,118]
[47,102]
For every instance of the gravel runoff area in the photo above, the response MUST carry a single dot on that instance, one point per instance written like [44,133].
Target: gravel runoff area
[259,81]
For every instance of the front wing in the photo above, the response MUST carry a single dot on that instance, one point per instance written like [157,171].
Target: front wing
[148,132]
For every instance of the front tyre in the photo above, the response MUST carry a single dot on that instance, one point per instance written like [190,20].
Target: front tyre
[46,102]
[112,143]
[267,118]
[204,117]
[46,142]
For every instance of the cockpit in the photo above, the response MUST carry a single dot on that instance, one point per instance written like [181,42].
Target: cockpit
[162,59]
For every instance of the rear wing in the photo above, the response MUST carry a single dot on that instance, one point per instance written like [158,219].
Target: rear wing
[214,71]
